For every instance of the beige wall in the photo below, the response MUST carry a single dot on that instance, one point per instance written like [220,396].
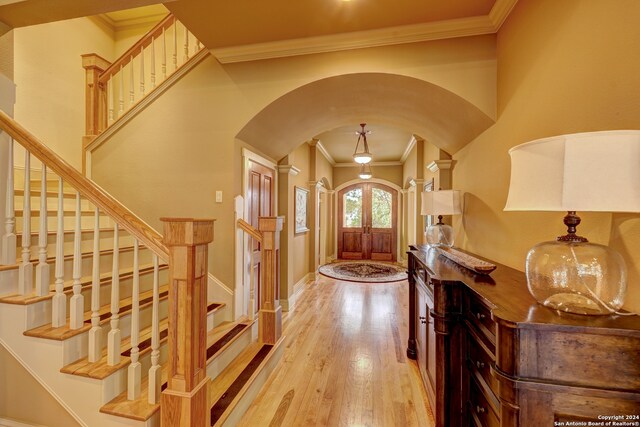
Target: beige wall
[174,155]
[389,173]
[301,241]
[23,399]
[563,67]
[50,80]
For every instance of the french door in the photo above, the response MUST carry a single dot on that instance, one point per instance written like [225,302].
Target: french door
[367,222]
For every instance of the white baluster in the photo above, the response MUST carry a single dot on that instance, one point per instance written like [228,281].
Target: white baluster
[132,96]
[9,241]
[59,309]
[175,45]
[110,101]
[114,339]
[186,45]
[42,269]
[155,372]
[153,62]
[141,71]
[95,344]
[135,368]
[121,94]
[25,272]
[198,46]
[76,307]
[164,54]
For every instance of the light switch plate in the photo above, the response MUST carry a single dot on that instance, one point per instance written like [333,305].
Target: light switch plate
[218,196]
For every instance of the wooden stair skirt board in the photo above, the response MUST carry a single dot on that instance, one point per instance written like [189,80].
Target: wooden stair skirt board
[141,410]
[242,381]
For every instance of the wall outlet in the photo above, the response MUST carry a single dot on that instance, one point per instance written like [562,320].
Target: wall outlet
[218,196]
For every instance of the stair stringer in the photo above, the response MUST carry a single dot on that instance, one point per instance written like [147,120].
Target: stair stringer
[219,292]
[42,358]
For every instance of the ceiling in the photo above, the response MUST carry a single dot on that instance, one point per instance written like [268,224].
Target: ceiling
[386,143]
[240,22]
[131,17]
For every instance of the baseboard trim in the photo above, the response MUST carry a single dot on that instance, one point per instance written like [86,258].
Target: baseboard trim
[6,422]
[214,280]
[298,287]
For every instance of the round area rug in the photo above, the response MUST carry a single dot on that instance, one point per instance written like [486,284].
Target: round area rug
[364,271]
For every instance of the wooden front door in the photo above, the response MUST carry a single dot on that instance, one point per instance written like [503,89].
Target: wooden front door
[260,203]
[367,222]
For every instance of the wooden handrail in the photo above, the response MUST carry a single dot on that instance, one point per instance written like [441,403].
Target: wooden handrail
[87,188]
[250,230]
[134,50]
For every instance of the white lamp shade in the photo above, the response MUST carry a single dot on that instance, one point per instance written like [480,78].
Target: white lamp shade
[595,171]
[443,202]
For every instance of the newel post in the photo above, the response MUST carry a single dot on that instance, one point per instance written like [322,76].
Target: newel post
[184,401]
[270,314]
[95,93]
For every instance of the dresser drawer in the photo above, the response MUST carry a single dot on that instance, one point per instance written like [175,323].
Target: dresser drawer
[479,316]
[479,410]
[480,360]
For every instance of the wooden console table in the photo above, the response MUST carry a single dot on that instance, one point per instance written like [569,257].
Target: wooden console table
[489,355]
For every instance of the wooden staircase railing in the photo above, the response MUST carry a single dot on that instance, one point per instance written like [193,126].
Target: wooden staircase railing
[112,89]
[270,312]
[143,234]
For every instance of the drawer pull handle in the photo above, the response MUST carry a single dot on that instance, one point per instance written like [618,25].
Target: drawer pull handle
[480,410]
[479,364]
[480,316]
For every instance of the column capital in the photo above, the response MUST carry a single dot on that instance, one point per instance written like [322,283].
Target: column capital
[187,231]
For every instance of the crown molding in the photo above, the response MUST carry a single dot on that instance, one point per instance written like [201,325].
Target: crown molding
[452,28]
[357,165]
[325,153]
[436,165]
[410,145]
[131,23]
[289,169]
[499,12]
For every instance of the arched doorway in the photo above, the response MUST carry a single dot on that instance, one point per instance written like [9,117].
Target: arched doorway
[367,222]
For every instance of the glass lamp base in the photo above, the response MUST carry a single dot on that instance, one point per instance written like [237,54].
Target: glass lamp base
[439,235]
[577,277]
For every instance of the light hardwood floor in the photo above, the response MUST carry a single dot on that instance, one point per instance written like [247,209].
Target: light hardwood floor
[345,361]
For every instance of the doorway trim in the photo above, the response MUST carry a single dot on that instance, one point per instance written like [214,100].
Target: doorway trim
[390,184]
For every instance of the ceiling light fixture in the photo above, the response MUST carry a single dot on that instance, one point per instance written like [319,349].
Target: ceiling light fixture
[365,171]
[363,156]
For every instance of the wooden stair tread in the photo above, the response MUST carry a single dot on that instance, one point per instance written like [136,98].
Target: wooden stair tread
[86,254]
[232,383]
[85,281]
[64,332]
[66,193]
[140,409]
[35,233]
[53,213]
[101,369]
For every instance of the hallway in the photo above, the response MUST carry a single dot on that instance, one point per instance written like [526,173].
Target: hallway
[344,362]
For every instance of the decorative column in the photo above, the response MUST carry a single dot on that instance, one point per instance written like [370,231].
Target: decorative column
[270,314]
[184,401]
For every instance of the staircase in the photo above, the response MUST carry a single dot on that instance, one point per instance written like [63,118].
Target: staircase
[113,318]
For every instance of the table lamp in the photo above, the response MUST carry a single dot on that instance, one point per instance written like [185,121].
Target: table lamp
[443,202]
[597,172]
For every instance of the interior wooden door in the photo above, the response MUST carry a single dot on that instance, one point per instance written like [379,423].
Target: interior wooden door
[367,222]
[260,203]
